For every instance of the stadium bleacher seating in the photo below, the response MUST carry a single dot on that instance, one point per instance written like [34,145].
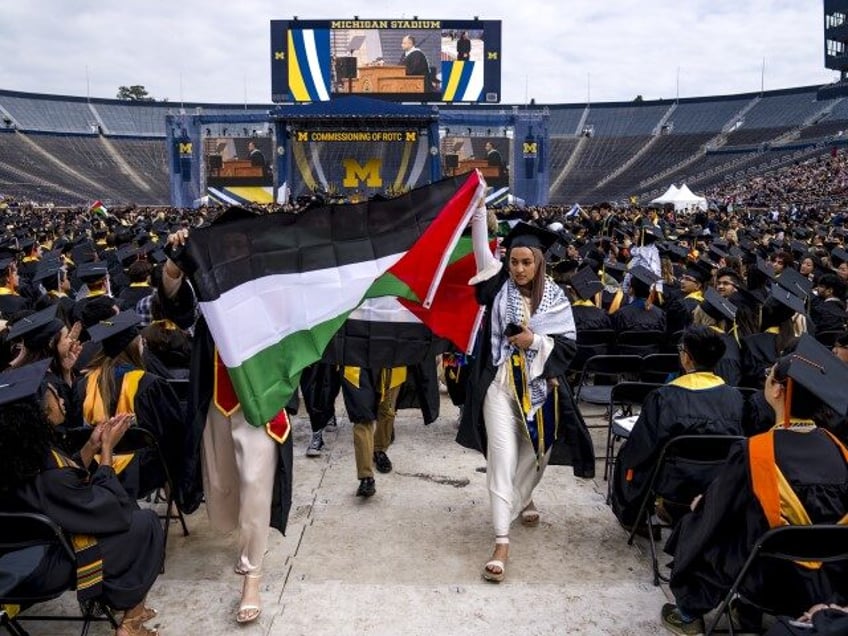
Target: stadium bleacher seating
[72,149]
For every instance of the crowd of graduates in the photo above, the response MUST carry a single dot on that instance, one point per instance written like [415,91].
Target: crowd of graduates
[738,293]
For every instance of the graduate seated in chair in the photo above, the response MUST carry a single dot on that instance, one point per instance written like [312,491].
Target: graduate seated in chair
[697,402]
[793,474]
[119,548]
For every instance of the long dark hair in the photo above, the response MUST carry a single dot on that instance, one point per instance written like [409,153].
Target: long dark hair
[25,439]
[130,356]
[537,287]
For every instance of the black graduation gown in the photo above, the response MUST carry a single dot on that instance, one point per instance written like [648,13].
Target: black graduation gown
[10,304]
[759,352]
[590,318]
[320,384]
[574,445]
[729,368]
[130,295]
[157,409]
[672,410]
[190,486]
[130,540]
[826,622]
[828,315]
[711,544]
[679,312]
[634,318]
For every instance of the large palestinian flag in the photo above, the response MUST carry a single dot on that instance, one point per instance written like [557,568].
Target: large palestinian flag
[275,289]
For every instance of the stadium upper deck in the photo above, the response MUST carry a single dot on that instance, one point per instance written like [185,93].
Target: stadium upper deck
[72,149]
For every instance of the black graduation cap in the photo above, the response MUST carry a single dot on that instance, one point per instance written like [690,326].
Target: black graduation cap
[798,248]
[824,375]
[36,329]
[651,233]
[126,255]
[527,235]
[765,267]
[92,272]
[5,261]
[586,283]
[787,298]
[556,252]
[565,266]
[699,270]
[116,332]
[615,269]
[715,253]
[22,383]
[83,253]
[26,244]
[792,280]
[47,268]
[644,275]
[718,307]
[837,256]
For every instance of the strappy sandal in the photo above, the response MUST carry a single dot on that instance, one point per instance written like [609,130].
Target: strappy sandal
[488,574]
[148,614]
[135,627]
[530,516]
[249,612]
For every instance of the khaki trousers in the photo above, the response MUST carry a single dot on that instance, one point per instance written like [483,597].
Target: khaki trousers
[368,438]
[239,463]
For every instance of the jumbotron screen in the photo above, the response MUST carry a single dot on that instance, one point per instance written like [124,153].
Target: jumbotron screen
[398,60]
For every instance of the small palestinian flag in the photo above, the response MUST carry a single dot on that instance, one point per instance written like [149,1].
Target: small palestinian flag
[99,209]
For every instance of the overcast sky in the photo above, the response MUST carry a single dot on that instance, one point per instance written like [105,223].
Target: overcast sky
[219,51]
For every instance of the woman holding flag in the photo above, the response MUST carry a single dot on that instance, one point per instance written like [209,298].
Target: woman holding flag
[518,402]
[244,471]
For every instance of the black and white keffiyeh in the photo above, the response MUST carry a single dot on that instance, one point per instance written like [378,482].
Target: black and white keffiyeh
[553,317]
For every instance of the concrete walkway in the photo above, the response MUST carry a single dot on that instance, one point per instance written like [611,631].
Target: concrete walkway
[408,560]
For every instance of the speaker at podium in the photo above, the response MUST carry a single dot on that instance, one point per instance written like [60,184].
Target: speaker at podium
[345,68]
[215,162]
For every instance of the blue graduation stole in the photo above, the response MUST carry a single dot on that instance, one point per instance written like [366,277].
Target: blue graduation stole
[542,429]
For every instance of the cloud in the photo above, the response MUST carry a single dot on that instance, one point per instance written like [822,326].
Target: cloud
[219,52]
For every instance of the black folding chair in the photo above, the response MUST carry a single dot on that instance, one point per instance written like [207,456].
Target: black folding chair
[592,342]
[639,343]
[657,367]
[138,439]
[700,457]
[824,543]
[613,369]
[623,398]
[25,538]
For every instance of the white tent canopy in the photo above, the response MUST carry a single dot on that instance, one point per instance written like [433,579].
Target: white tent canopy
[682,198]
[668,196]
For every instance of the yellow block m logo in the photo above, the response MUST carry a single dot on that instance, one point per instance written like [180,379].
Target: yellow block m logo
[185,148]
[530,148]
[356,173]
[302,135]
[492,55]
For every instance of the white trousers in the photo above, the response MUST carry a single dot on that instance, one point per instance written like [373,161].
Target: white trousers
[239,462]
[511,470]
